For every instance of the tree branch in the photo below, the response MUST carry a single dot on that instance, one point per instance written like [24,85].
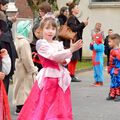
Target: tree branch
[76,1]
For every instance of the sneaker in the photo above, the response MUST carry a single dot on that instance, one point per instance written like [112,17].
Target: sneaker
[78,79]
[97,84]
[16,113]
[117,98]
[18,109]
[101,83]
[75,79]
[110,98]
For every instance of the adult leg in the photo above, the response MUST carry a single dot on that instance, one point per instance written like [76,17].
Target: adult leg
[80,54]
[71,69]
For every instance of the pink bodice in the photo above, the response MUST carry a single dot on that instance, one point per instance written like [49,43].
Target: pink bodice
[51,57]
[48,63]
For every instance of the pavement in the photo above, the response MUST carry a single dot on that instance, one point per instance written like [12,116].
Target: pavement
[89,103]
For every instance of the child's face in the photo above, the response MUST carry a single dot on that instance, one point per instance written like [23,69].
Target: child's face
[98,26]
[49,32]
[66,12]
[110,32]
[37,33]
[111,43]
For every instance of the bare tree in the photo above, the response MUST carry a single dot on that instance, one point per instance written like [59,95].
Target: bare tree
[35,3]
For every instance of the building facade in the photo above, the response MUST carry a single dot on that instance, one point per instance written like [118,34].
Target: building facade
[106,12]
[20,6]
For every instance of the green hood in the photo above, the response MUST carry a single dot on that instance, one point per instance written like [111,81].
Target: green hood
[23,28]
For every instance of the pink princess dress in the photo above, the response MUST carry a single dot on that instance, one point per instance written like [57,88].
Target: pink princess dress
[50,97]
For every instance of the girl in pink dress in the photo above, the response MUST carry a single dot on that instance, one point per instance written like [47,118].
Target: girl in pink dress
[50,97]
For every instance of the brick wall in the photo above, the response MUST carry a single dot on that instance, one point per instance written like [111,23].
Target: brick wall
[24,9]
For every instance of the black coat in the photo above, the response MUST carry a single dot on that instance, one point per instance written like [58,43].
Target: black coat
[78,27]
[62,19]
[7,43]
[107,47]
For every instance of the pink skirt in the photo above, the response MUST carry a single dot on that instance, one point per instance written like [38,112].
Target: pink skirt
[50,103]
[4,104]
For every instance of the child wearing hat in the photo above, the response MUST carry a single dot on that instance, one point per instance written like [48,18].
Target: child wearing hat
[97,48]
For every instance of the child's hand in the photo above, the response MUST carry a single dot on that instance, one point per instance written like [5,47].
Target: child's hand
[14,18]
[3,52]
[85,22]
[2,75]
[92,43]
[76,46]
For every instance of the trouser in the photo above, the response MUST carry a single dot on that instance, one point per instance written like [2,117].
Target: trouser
[108,57]
[72,67]
[98,73]
[18,108]
[80,54]
[6,82]
[115,85]
[115,81]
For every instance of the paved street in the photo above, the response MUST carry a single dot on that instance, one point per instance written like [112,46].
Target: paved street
[88,102]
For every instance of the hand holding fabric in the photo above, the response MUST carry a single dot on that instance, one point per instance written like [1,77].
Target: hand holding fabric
[2,75]
[4,52]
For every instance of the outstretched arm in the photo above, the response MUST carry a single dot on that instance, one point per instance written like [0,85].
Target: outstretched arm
[47,51]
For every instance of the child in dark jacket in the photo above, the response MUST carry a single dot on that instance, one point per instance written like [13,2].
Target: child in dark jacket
[107,47]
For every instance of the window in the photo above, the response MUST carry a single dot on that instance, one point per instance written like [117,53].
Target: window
[11,6]
[104,3]
[11,0]
[105,0]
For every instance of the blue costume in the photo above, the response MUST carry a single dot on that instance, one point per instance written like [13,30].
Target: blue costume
[114,71]
[97,59]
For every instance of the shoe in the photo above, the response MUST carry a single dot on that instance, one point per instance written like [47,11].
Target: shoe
[75,79]
[18,109]
[101,83]
[16,113]
[117,98]
[110,98]
[78,79]
[97,84]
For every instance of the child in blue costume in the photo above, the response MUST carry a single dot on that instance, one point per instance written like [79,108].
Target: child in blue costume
[97,59]
[114,68]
